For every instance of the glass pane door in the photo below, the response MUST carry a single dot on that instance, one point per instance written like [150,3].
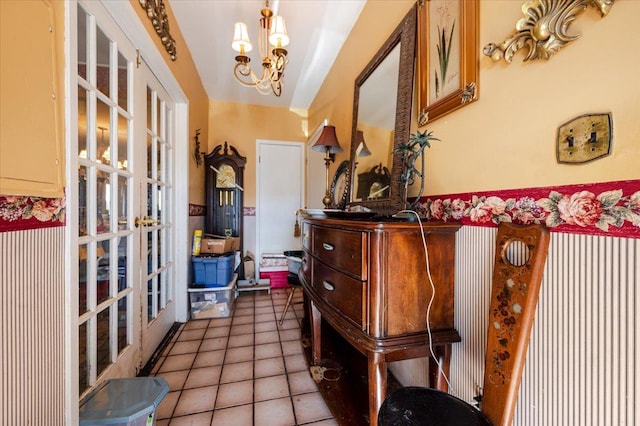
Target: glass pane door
[157,225]
[107,243]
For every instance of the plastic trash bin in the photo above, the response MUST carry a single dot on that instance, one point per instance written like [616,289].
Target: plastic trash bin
[124,402]
[294,260]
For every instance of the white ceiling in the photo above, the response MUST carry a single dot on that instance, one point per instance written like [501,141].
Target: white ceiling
[317,29]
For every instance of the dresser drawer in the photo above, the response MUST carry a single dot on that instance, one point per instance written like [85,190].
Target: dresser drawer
[342,250]
[338,290]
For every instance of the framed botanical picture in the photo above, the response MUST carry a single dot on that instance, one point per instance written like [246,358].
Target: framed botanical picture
[447,74]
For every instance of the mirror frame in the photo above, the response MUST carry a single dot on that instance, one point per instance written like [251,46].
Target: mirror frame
[405,34]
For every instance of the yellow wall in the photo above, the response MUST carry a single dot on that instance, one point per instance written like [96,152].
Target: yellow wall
[185,72]
[241,124]
[507,138]
[334,100]
[32,85]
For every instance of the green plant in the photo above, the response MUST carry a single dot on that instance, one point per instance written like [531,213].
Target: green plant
[444,52]
[411,151]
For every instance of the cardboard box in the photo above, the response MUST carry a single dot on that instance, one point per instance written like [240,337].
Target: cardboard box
[273,259]
[202,310]
[249,266]
[219,245]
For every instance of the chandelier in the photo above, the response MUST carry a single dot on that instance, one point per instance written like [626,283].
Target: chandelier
[272,38]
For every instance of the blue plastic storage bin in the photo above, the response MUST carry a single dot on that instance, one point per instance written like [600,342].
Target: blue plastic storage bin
[213,271]
[124,402]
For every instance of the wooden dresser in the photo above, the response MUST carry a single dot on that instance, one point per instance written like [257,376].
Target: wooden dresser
[369,281]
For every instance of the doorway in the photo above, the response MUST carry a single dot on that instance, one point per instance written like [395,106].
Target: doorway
[280,192]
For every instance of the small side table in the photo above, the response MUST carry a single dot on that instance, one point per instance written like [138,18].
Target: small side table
[260,284]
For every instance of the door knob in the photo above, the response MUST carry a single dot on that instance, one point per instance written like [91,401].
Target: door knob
[146,221]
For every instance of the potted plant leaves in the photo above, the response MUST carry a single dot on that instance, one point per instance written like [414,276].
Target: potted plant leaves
[411,151]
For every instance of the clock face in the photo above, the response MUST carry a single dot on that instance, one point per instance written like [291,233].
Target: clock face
[375,191]
[226,178]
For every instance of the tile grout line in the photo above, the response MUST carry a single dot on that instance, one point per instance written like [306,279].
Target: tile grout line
[225,359]
[181,390]
[198,353]
[284,364]
[172,344]
[253,402]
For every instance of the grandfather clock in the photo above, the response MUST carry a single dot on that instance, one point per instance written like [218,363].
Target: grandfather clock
[224,186]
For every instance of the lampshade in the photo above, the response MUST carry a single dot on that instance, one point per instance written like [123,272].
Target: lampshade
[278,37]
[241,38]
[364,151]
[327,141]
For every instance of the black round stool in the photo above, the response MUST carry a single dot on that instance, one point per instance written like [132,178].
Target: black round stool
[418,406]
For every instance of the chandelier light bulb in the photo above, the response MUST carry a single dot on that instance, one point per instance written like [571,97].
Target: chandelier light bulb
[241,42]
[278,36]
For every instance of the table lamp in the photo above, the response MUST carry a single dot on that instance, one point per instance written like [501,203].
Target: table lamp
[327,143]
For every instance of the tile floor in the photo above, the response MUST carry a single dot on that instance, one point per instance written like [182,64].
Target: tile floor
[243,370]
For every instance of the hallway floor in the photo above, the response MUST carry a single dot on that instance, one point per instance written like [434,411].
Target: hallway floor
[243,370]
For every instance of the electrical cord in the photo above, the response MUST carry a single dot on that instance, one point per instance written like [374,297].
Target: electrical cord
[433,295]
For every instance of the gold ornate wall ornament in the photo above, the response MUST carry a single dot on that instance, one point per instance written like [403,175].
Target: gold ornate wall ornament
[469,93]
[544,29]
[156,12]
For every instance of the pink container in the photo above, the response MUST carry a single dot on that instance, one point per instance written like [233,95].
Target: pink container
[278,278]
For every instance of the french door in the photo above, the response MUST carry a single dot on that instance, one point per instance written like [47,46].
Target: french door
[124,200]
[156,198]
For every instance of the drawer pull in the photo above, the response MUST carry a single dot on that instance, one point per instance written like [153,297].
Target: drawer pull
[328,285]
[328,247]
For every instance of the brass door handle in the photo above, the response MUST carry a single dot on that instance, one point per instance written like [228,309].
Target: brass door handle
[146,221]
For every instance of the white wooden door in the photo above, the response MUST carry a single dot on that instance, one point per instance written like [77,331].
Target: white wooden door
[280,192]
[157,272]
[108,300]
[124,173]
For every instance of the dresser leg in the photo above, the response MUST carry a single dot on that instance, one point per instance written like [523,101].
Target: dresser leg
[377,384]
[436,377]
[316,319]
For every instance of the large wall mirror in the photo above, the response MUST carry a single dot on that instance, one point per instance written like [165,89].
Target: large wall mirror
[382,120]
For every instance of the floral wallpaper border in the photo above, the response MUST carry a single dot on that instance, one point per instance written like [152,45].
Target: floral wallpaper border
[18,213]
[611,208]
[197,210]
